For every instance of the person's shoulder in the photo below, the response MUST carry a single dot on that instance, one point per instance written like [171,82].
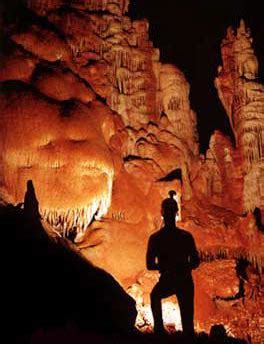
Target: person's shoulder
[156,234]
[185,233]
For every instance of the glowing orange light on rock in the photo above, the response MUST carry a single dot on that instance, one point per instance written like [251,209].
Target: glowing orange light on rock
[171,317]
[64,150]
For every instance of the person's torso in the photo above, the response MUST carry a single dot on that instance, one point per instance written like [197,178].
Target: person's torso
[173,251]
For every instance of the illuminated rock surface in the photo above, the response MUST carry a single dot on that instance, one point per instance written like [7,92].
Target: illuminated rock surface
[105,130]
[243,98]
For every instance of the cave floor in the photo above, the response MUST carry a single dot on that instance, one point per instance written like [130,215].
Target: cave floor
[72,335]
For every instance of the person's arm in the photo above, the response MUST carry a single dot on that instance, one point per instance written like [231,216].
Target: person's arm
[194,259]
[151,256]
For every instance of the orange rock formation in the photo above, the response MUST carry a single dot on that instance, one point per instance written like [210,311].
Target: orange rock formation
[105,130]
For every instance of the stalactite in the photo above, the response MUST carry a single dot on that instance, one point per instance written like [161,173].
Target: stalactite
[67,220]
[222,253]
[128,58]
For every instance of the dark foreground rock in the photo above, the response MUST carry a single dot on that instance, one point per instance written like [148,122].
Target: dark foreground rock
[53,295]
[72,335]
[49,285]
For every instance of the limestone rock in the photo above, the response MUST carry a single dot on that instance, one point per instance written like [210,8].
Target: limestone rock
[105,130]
[243,98]
[43,43]
[16,65]
[62,85]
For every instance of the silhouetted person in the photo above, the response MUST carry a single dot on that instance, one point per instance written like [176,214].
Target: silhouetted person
[172,251]
[31,205]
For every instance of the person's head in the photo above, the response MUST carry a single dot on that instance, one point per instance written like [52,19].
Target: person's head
[169,208]
[172,193]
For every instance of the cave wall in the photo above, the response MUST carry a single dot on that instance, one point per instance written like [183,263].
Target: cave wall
[242,96]
[105,130]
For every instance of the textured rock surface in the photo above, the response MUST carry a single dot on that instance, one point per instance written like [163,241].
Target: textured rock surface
[243,98]
[105,130]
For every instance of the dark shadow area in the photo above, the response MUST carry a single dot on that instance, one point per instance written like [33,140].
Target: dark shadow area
[48,284]
[259,219]
[16,15]
[217,336]
[131,158]
[175,174]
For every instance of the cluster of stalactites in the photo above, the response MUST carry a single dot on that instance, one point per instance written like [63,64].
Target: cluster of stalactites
[132,59]
[94,30]
[132,82]
[173,105]
[221,253]
[65,221]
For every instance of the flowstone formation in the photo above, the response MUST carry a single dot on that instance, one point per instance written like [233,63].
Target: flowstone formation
[104,130]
